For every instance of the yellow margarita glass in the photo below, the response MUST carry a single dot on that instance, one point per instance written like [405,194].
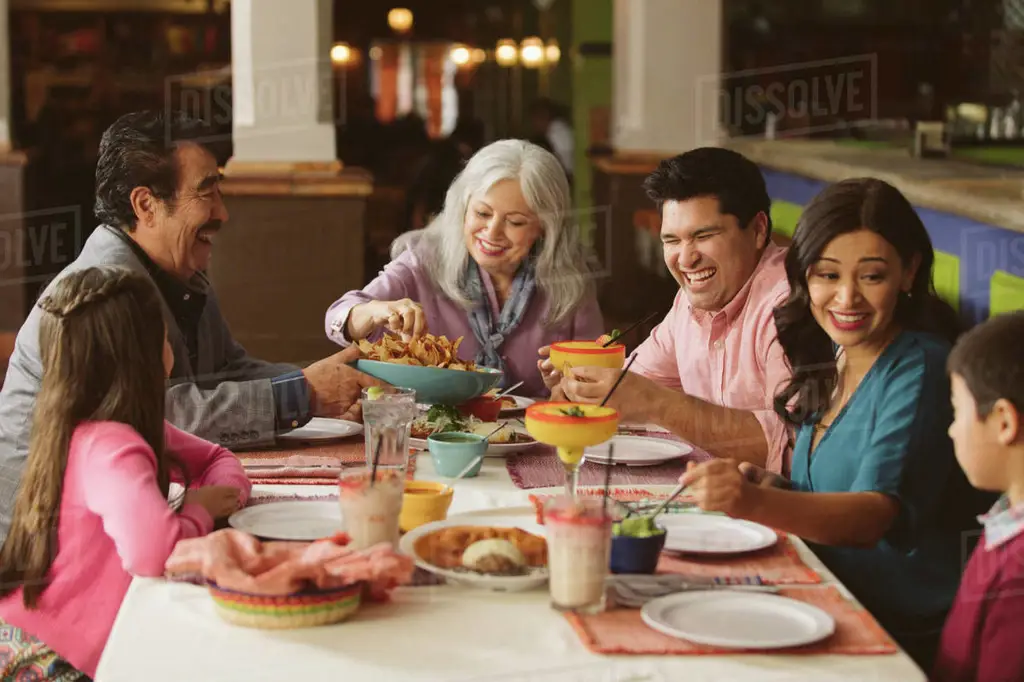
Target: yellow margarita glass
[571,427]
[566,354]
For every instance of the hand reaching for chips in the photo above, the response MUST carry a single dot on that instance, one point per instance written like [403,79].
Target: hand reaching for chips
[404,317]
[425,351]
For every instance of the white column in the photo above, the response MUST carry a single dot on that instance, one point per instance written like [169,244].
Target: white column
[282,82]
[667,65]
[5,78]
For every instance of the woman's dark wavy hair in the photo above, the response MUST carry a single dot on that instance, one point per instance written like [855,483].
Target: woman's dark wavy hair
[849,206]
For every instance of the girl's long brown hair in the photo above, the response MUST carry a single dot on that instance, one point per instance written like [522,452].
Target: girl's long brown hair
[101,336]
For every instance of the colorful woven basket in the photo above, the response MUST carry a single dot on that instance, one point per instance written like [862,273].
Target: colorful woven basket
[304,609]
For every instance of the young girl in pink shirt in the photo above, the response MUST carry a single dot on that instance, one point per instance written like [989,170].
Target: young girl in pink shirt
[92,508]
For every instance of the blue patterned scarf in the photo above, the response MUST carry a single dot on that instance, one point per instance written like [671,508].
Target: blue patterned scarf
[489,334]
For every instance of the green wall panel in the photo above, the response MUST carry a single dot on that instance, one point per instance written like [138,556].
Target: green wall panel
[1006,293]
[591,88]
[784,217]
[946,276]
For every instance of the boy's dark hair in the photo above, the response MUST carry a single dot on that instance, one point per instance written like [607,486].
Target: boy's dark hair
[988,358]
[732,178]
[137,150]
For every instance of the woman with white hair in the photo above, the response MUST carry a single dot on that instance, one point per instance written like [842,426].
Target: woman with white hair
[500,266]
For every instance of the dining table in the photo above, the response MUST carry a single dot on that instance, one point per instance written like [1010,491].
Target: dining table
[169,631]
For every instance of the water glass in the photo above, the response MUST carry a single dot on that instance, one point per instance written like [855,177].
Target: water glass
[388,414]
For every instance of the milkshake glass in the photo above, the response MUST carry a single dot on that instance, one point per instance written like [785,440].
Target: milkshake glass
[370,514]
[579,536]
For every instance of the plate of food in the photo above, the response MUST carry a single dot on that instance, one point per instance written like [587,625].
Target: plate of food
[506,437]
[510,405]
[503,550]
[429,365]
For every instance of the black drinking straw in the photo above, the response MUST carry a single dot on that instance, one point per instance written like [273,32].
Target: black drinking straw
[608,475]
[618,381]
[376,459]
[629,329]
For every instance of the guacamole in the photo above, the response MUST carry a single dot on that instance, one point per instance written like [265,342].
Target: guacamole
[637,527]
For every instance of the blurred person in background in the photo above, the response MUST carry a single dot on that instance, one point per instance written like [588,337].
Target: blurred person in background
[551,130]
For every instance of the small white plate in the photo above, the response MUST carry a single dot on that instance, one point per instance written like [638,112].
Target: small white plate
[493,450]
[638,451]
[521,405]
[301,520]
[507,517]
[714,534]
[320,429]
[637,426]
[738,620]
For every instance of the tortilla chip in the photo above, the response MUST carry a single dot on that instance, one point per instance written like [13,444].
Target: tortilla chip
[427,351]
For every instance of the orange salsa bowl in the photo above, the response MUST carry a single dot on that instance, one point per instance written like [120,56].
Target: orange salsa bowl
[587,354]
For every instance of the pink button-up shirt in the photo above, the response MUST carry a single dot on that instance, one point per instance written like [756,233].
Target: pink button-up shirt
[731,357]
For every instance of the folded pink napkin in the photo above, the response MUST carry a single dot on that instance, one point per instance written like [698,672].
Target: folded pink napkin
[237,561]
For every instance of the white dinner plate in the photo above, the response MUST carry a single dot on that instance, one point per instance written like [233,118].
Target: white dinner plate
[301,520]
[521,405]
[714,534]
[320,429]
[493,450]
[638,426]
[638,451]
[738,620]
[507,517]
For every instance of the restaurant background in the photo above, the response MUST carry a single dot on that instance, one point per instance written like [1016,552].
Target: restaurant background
[381,101]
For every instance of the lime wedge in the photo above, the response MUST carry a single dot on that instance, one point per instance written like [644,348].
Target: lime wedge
[374,392]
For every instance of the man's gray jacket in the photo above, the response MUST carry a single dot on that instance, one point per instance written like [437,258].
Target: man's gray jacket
[226,399]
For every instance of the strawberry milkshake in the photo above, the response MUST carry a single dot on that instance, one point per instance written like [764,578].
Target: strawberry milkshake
[579,547]
[369,513]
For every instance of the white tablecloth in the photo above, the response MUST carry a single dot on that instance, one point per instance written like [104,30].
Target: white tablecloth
[168,631]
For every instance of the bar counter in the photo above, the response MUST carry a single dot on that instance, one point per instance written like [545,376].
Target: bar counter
[974,214]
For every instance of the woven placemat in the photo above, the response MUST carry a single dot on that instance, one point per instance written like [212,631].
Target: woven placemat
[622,631]
[541,468]
[309,465]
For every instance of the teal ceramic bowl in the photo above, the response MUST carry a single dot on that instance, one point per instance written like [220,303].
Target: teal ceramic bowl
[433,384]
[452,452]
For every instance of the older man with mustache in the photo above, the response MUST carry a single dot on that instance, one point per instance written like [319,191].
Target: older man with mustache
[159,202]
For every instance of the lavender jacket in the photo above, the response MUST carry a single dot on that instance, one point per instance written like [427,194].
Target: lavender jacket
[406,277]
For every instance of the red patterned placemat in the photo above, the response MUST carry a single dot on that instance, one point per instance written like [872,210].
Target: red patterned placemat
[779,564]
[541,468]
[269,498]
[310,465]
[622,631]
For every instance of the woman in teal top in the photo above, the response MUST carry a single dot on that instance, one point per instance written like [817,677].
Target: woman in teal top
[875,488]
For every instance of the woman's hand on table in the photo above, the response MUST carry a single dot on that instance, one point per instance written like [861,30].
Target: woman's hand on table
[219,500]
[719,485]
[405,317]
